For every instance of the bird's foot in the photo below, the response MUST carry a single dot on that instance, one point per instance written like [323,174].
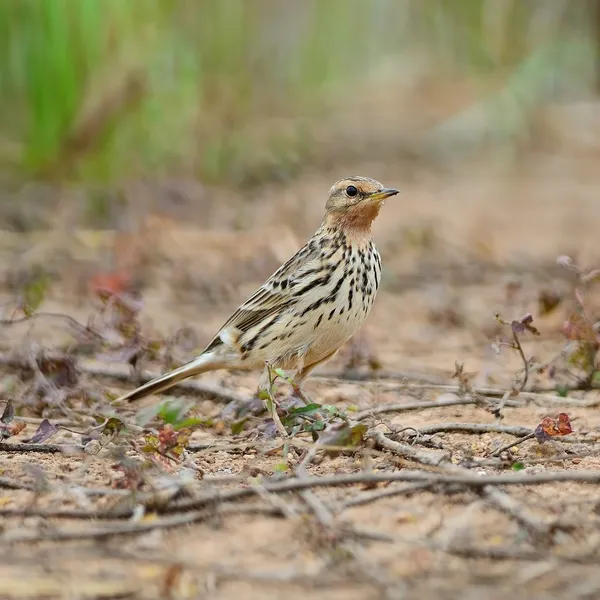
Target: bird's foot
[298,392]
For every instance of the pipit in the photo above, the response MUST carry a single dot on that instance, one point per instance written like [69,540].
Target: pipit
[314,303]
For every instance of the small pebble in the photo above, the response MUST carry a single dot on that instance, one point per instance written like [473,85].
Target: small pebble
[92,447]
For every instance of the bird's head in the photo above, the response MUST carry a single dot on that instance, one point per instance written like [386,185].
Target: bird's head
[354,202]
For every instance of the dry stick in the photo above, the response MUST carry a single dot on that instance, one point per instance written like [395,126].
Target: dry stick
[41,315]
[495,393]
[367,497]
[8,484]
[498,462]
[518,553]
[42,448]
[478,481]
[293,485]
[321,512]
[437,459]
[369,377]
[370,569]
[134,528]
[502,449]
[387,408]
[474,428]
[427,382]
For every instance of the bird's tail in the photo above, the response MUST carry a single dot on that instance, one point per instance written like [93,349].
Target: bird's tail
[204,362]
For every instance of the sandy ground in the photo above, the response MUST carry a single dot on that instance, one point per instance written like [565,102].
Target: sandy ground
[452,245]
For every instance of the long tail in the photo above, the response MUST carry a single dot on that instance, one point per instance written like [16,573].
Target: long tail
[205,362]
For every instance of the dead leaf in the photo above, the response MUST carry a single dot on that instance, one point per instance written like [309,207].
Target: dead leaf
[44,432]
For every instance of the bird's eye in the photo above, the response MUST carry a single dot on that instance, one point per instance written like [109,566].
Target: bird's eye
[351,191]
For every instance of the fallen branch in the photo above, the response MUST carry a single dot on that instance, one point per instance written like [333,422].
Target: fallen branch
[474,428]
[368,497]
[41,448]
[387,408]
[538,396]
[129,528]
[469,479]
[371,376]
[519,554]
[9,484]
[497,497]
[48,315]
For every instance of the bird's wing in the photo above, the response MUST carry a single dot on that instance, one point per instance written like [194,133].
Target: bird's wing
[279,292]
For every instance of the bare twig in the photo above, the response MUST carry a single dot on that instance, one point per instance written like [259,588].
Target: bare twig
[506,447]
[40,448]
[536,396]
[382,376]
[49,315]
[468,479]
[474,428]
[367,497]
[496,496]
[9,484]
[130,528]
[387,408]
[432,459]
[519,554]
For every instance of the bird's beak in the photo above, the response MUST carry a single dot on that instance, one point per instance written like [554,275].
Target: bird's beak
[383,194]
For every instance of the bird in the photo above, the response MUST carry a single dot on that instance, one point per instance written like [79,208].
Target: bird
[309,307]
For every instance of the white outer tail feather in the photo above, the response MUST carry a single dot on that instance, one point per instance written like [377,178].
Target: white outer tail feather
[204,362]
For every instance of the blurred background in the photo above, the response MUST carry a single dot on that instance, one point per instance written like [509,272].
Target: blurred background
[188,145]
[185,148]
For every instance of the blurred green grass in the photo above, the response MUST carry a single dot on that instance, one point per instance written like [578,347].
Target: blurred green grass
[230,91]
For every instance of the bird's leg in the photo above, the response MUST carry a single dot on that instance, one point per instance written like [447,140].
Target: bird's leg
[302,375]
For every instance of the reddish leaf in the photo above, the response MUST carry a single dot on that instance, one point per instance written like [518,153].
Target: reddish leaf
[524,324]
[105,285]
[16,428]
[552,427]
[564,424]
[9,427]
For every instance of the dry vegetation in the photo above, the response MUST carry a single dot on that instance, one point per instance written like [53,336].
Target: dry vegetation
[410,476]
[452,450]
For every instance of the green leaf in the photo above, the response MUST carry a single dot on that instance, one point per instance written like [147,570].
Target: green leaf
[344,436]
[356,435]
[34,293]
[316,426]
[238,426]
[562,390]
[309,409]
[334,411]
[192,422]
[264,395]
[173,411]
[281,373]
[518,466]
[113,425]
[280,467]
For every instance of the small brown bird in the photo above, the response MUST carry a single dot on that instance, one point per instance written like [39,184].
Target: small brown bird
[314,303]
